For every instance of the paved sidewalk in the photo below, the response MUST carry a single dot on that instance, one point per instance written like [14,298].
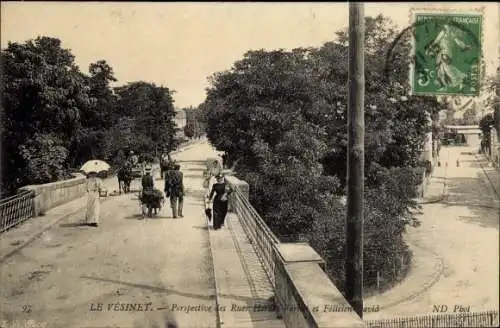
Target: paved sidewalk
[244,291]
[435,191]
[492,173]
[19,236]
[243,288]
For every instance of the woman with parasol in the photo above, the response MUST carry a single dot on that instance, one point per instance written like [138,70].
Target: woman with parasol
[93,186]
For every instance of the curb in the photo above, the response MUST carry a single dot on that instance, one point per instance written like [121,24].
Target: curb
[437,272]
[217,298]
[433,200]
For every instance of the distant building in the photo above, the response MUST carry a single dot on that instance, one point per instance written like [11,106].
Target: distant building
[472,133]
[180,118]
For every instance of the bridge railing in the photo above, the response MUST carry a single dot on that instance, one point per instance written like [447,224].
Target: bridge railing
[264,241]
[16,209]
[465,319]
[304,295]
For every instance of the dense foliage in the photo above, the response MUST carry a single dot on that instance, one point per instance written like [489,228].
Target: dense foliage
[491,120]
[195,122]
[283,114]
[55,117]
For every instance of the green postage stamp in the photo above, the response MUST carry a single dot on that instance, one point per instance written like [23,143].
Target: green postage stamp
[447,53]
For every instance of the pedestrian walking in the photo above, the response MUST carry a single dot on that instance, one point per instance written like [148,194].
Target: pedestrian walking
[221,191]
[93,187]
[174,188]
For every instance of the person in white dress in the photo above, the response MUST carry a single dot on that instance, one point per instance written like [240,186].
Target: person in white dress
[93,187]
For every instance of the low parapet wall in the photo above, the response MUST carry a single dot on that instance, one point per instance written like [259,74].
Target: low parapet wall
[304,295]
[50,195]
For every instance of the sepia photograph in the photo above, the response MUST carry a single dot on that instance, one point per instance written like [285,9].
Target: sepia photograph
[249,164]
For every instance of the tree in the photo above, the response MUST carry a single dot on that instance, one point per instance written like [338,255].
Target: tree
[92,140]
[152,109]
[195,122]
[485,124]
[493,86]
[55,117]
[44,97]
[100,79]
[189,130]
[284,115]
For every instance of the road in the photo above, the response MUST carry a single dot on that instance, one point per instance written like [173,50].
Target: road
[459,238]
[64,277]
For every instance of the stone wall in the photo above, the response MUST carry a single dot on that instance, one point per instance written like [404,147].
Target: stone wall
[304,295]
[50,195]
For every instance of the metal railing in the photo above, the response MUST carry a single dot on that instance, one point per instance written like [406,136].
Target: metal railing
[479,319]
[16,209]
[262,238]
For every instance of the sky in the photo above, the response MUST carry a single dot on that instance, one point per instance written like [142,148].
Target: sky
[179,45]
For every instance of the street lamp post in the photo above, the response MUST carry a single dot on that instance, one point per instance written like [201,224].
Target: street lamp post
[355,160]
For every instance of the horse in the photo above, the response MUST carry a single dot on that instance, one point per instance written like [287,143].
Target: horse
[124,179]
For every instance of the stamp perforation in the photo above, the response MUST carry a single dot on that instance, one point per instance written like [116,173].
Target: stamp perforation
[475,11]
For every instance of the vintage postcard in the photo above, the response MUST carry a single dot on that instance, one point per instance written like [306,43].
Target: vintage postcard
[240,165]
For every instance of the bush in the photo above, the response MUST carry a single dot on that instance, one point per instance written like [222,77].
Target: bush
[283,115]
[57,117]
[44,159]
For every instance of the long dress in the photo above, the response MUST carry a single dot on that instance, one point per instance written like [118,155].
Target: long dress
[92,187]
[219,205]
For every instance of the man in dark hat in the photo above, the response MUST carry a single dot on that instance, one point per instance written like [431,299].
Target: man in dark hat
[147,179]
[174,188]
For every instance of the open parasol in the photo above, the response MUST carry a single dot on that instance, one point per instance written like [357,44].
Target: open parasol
[95,165]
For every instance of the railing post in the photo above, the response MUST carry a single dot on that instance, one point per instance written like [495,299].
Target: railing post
[242,186]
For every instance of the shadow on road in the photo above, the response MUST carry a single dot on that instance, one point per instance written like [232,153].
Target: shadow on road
[73,225]
[470,193]
[155,289]
[201,227]
[139,217]
[169,291]
[195,176]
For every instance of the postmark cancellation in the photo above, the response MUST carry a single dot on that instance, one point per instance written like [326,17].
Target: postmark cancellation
[447,51]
